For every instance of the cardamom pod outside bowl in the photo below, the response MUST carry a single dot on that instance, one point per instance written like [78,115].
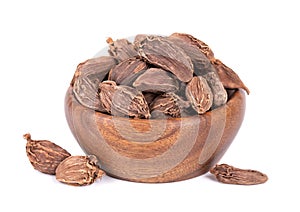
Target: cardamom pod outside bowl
[156,150]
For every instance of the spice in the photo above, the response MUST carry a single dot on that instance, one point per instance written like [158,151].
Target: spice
[165,54]
[217,89]
[231,175]
[199,94]
[44,155]
[121,49]
[86,80]
[49,158]
[158,72]
[228,77]
[156,80]
[79,170]
[168,104]
[201,63]
[127,71]
[123,100]
[203,47]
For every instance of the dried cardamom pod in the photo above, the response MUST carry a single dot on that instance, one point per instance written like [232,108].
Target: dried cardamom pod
[217,88]
[123,100]
[168,104]
[163,53]
[44,155]
[201,63]
[205,49]
[199,94]
[87,78]
[79,170]
[228,77]
[106,91]
[129,102]
[156,80]
[127,71]
[231,175]
[121,49]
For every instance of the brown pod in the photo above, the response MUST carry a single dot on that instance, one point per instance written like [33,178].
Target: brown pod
[106,91]
[228,77]
[129,102]
[79,170]
[201,63]
[163,53]
[168,104]
[205,49]
[87,77]
[44,155]
[127,71]
[121,49]
[156,80]
[231,175]
[123,100]
[219,92]
[199,94]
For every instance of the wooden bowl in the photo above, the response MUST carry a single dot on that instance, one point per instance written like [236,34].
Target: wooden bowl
[153,150]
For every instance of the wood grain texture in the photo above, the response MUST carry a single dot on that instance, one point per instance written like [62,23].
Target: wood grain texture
[153,150]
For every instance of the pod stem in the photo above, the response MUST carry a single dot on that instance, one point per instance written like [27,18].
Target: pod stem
[27,136]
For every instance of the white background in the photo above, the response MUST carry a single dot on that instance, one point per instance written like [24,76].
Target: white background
[41,44]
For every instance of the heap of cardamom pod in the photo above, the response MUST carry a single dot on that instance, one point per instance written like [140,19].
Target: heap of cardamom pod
[154,77]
